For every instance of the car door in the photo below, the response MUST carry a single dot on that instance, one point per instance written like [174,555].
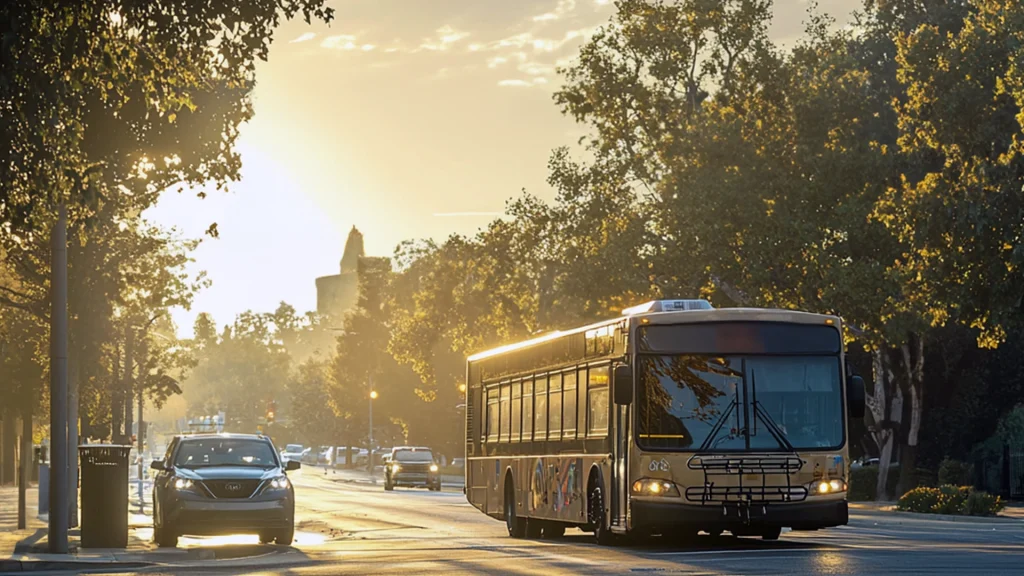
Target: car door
[163,477]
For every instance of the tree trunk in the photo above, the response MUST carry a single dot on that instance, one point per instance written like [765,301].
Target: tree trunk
[25,471]
[116,400]
[7,447]
[885,403]
[913,366]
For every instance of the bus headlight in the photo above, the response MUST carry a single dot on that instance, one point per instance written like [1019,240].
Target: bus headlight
[819,487]
[654,487]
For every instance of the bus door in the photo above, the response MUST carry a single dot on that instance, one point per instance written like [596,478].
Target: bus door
[620,457]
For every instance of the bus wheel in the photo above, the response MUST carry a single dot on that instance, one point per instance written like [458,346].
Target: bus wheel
[515,524]
[771,533]
[596,516]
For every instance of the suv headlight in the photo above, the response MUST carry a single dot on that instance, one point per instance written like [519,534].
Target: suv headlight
[279,483]
[433,467]
[833,486]
[183,484]
[654,487]
[395,468]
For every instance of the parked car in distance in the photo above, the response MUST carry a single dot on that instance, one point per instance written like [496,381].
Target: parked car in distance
[215,484]
[412,466]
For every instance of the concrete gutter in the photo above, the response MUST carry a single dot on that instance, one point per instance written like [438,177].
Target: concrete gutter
[868,509]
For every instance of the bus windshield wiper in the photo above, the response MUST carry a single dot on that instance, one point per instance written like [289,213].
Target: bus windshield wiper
[707,444]
[769,423]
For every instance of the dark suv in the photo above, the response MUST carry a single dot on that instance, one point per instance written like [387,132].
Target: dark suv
[210,484]
[412,466]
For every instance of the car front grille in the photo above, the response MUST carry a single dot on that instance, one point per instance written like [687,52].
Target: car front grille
[231,488]
[413,468]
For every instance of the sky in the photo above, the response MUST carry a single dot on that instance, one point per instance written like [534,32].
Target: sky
[405,118]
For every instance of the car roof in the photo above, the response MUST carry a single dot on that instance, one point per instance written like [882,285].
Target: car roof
[411,448]
[229,435]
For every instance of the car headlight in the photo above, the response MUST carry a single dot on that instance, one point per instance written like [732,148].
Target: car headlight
[654,487]
[279,483]
[182,484]
[433,467]
[833,486]
[395,468]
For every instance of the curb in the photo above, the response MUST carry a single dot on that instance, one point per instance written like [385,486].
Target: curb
[9,566]
[940,517]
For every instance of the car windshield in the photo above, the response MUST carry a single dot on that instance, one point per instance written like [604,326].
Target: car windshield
[414,456]
[293,448]
[694,402]
[225,452]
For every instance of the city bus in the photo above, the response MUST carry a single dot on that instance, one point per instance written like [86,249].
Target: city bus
[674,419]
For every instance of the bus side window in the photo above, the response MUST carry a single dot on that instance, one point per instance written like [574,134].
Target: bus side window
[540,408]
[581,410]
[598,392]
[505,405]
[528,410]
[517,410]
[569,406]
[492,414]
[555,407]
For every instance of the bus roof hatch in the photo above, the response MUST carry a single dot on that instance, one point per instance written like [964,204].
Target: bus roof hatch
[668,306]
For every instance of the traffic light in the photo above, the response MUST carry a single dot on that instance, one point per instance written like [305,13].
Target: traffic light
[271,410]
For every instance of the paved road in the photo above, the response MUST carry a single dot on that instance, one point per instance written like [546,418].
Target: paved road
[346,528]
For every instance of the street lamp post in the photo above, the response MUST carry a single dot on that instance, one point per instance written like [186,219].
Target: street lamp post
[373,396]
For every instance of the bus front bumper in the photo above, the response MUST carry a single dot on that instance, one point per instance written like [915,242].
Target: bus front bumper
[653,515]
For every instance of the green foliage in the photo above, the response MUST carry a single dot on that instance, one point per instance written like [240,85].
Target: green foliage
[864,483]
[950,499]
[981,503]
[1010,429]
[955,472]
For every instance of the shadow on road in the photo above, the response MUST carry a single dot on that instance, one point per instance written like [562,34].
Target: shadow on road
[702,543]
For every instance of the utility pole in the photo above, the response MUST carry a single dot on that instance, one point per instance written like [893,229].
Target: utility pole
[57,536]
[73,445]
[373,394]
[24,471]
[144,353]
[127,385]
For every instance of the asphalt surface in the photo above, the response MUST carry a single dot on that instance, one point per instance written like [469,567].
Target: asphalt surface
[346,528]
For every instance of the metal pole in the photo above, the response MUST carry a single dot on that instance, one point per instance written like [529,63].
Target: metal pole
[370,380]
[73,445]
[25,464]
[142,500]
[57,536]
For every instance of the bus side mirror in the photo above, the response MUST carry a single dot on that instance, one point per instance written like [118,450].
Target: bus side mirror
[622,385]
[855,396]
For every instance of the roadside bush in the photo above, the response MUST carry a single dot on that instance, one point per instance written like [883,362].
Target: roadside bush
[864,483]
[919,500]
[956,473]
[980,503]
[949,499]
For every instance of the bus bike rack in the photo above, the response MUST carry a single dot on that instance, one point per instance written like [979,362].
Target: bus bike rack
[743,497]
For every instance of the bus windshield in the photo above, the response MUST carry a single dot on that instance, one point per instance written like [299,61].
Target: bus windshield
[699,402]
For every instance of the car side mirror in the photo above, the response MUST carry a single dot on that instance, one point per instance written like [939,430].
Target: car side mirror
[622,385]
[855,394]
[292,465]
[157,465]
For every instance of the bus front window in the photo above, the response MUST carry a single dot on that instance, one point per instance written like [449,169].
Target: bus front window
[693,402]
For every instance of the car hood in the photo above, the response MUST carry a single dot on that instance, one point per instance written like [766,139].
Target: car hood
[227,473]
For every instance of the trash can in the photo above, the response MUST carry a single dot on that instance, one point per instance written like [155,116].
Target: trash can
[104,495]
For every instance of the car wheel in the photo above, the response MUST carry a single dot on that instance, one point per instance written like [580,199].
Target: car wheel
[266,538]
[165,537]
[285,537]
[771,533]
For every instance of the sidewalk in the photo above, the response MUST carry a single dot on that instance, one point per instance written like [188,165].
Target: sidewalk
[26,550]
[1014,512]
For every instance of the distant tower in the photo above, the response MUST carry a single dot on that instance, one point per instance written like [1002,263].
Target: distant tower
[336,295]
[353,251]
